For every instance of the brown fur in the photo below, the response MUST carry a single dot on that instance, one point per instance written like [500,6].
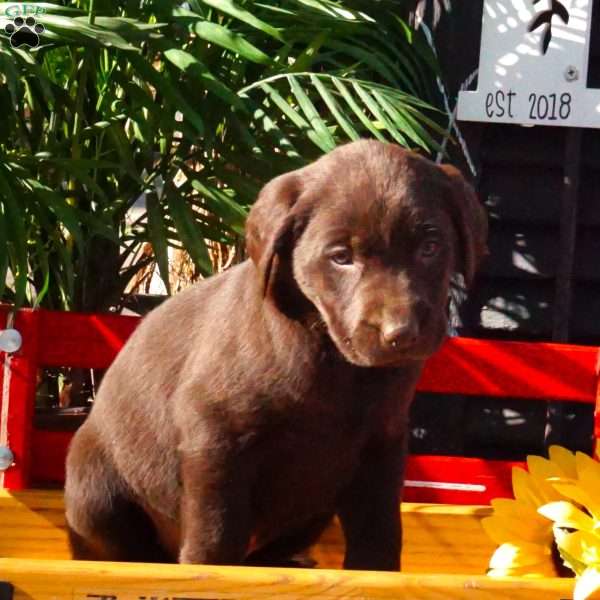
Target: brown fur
[246,411]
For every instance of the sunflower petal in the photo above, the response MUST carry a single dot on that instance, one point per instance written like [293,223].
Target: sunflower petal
[568,560]
[565,514]
[502,529]
[587,586]
[524,488]
[574,491]
[588,474]
[509,556]
[564,458]
[508,507]
[540,470]
[532,571]
[582,546]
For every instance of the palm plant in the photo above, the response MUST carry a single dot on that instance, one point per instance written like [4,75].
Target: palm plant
[191,106]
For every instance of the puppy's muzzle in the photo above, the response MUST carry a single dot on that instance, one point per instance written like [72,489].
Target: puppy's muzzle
[400,334]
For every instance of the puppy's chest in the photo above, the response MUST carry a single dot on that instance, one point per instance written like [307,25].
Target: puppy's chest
[306,459]
[302,441]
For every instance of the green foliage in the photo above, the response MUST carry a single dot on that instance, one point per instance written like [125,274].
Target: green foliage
[194,105]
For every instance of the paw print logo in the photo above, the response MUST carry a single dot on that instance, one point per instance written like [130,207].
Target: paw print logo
[24,32]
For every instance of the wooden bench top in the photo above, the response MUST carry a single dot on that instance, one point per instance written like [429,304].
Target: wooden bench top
[445,557]
[78,580]
[446,538]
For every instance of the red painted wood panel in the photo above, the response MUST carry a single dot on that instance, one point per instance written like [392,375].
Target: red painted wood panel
[457,480]
[514,369]
[49,451]
[3,316]
[80,340]
[443,479]
[463,366]
[21,390]
[597,411]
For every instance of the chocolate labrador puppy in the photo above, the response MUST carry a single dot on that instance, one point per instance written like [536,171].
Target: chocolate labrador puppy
[246,411]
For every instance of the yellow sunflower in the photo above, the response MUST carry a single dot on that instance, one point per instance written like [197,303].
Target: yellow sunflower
[525,537]
[556,505]
[576,523]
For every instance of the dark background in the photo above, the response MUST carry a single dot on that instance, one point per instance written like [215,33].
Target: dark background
[541,281]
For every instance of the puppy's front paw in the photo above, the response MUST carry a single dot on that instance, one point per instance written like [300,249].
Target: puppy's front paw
[192,556]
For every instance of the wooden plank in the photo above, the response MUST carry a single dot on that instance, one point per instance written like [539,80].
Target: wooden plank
[597,412]
[451,534]
[4,372]
[515,147]
[514,369]
[443,479]
[32,525]
[49,452]
[568,236]
[462,366]
[87,341]
[503,188]
[457,480]
[524,252]
[82,340]
[20,399]
[511,309]
[47,580]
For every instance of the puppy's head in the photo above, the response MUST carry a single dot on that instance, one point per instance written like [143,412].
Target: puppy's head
[369,236]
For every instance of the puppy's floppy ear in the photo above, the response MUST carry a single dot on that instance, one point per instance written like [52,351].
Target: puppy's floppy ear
[470,221]
[270,226]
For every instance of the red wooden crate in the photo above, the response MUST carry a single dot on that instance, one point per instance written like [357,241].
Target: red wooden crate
[463,366]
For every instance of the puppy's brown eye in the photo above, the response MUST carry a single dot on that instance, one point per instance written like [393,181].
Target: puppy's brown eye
[341,256]
[429,248]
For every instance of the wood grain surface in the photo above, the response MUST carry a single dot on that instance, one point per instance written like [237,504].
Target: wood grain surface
[49,580]
[440,538]
[445,556]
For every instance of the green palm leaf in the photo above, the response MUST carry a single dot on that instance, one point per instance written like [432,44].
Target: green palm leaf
[193,107]
[157,233]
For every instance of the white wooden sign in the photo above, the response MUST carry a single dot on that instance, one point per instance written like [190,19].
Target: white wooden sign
[533,65]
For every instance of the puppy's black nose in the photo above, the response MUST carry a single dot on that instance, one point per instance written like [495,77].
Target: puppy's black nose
[400,334]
